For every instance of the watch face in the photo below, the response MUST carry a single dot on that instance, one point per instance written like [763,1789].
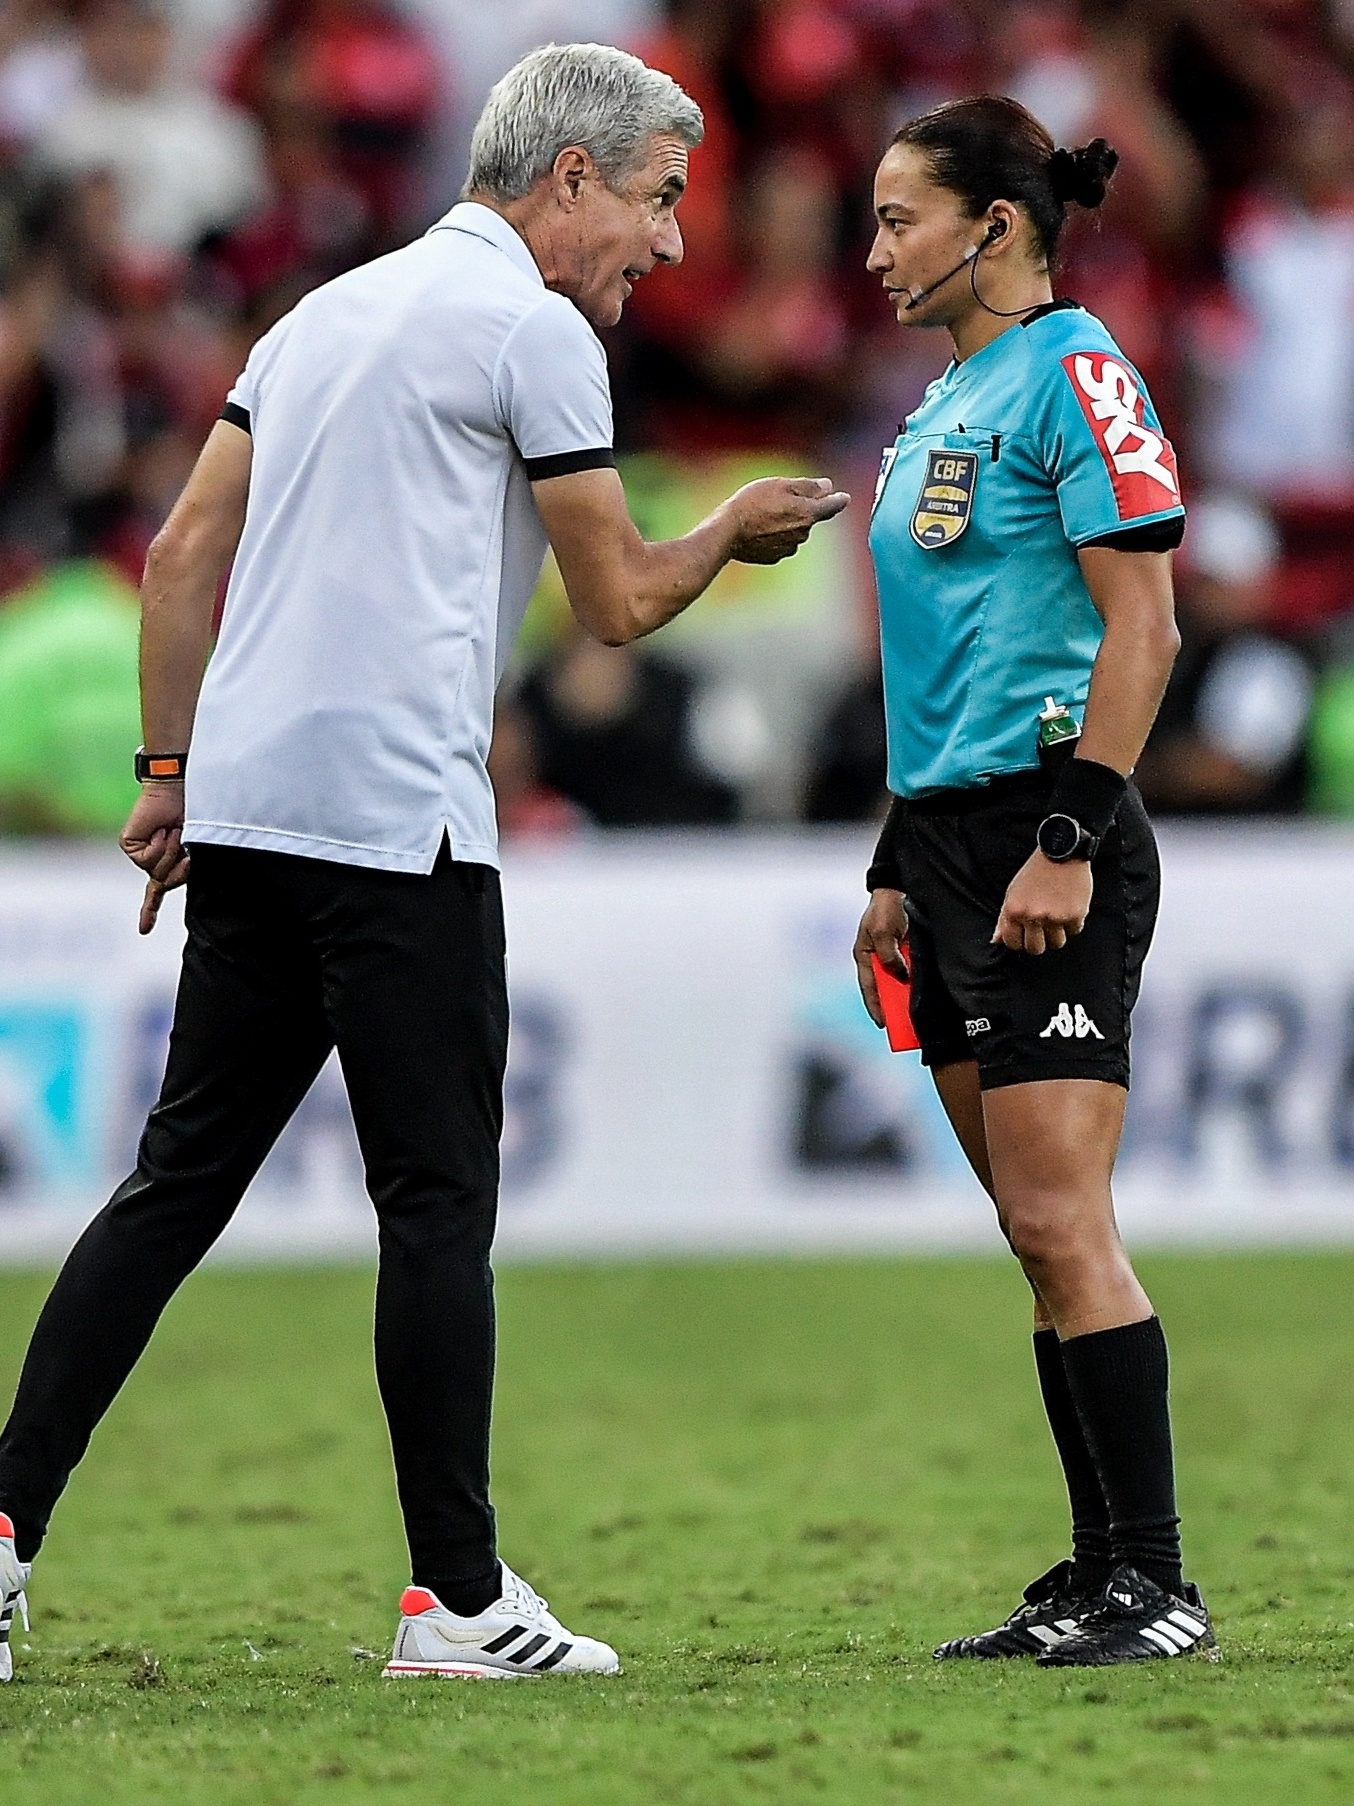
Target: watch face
[1058,836]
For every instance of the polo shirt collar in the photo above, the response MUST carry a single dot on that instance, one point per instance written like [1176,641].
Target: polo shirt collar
[483,222]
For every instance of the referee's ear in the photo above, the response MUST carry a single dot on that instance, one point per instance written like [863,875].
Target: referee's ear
[1001,229]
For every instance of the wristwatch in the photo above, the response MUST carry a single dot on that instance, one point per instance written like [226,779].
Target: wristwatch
[1062,837]
[152,767]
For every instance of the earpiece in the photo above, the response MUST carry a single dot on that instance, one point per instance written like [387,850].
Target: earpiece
[995,231]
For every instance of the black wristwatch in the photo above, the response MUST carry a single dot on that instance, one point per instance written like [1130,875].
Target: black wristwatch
[1062,837]
[158,767]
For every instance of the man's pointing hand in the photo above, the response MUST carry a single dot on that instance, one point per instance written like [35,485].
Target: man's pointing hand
[776,515]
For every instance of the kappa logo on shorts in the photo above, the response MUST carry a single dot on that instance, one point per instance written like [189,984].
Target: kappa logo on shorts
[946,500]
[1140,462]
[979,1026]
[1069,1020]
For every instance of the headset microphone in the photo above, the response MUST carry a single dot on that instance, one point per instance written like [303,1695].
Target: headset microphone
[996,230]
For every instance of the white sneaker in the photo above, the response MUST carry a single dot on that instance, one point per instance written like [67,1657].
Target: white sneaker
[515,1636]
[13,1579]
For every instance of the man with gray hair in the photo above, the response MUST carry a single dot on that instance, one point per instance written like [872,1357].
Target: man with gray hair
[386,475]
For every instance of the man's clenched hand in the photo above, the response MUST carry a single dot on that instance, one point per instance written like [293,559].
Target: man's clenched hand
[153,840]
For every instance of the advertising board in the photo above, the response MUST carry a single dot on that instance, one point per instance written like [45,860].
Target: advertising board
[692,1071]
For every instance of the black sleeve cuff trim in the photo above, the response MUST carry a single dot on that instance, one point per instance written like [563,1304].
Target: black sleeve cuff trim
[885,872]
[1152,536]
[1089,792]
[564,464]
[235,415]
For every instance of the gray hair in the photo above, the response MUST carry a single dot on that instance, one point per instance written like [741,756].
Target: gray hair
[602,99]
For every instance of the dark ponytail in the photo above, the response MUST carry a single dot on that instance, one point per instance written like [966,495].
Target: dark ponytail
[993,149]
[1082,175]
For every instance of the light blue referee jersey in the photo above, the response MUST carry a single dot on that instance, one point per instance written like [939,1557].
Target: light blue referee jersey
[1042,442]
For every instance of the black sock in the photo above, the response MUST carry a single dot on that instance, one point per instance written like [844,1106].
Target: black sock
[1092,1556]
[467,1598]
[1118,1378]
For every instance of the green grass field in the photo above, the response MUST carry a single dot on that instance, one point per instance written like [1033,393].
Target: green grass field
[772,1486]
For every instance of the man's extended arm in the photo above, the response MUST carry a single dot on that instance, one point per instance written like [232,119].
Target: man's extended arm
[178,594]
[622,588]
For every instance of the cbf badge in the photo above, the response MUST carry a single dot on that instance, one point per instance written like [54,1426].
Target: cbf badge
[946,500]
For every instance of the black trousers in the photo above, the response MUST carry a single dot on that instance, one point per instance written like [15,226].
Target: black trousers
[286,959]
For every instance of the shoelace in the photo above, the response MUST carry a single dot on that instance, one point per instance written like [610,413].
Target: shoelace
[1060,1604]
[525,1597]
[1108,1607]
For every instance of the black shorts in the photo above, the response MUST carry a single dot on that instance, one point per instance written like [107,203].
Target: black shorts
[1062,1014]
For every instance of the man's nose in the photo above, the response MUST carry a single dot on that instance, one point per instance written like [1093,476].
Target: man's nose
[667,243]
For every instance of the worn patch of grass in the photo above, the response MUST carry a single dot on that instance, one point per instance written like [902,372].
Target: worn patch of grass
[772,1486]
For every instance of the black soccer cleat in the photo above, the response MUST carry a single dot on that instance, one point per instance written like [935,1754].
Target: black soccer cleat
[1134,1620]
[1051,1612]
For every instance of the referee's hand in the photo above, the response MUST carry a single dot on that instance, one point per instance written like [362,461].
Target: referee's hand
[152,839]
[1044,905]
[883,929]
[775,515]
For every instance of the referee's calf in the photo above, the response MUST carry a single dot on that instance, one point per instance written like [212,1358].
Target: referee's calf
[386,475]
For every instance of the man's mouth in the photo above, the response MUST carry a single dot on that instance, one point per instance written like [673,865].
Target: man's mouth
[632,274]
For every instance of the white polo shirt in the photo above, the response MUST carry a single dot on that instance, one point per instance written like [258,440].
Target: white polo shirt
[390,547]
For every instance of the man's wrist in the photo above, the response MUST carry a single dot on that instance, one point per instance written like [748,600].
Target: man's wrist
[160,767]
[729,525]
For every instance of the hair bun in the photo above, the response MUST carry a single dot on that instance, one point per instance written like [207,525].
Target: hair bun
[1083,175]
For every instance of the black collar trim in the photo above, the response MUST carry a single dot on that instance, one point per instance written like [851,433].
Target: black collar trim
[1049,307]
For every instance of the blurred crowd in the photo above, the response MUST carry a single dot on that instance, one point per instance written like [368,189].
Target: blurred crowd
[174,174]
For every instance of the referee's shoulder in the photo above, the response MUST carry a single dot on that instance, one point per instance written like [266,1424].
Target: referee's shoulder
[1066,330]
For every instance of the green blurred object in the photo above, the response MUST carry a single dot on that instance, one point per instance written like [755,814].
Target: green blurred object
[1331,744]
[668,496]
[69,702]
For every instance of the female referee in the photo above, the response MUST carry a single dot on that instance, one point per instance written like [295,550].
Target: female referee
[1022,537]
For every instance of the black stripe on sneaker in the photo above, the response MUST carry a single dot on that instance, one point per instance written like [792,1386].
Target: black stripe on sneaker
[557,1654]
[525,1653]
[508,1637]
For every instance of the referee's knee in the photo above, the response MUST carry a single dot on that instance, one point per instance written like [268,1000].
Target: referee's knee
[1050,1229]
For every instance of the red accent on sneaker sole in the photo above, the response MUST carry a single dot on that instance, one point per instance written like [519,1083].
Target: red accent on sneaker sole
[6,1526]
[464,1671]
[414,1600]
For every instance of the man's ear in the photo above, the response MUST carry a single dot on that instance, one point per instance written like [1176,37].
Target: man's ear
[573,167]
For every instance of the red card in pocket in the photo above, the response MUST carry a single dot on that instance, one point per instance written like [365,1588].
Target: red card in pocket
[896,998]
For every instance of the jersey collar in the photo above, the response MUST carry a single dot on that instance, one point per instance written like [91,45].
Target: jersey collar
[1049,307]
[957,373]
[482,222]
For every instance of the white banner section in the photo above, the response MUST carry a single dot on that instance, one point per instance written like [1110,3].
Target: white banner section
[691,1069]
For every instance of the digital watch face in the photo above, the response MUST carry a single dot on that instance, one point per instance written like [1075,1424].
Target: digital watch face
[946,500]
